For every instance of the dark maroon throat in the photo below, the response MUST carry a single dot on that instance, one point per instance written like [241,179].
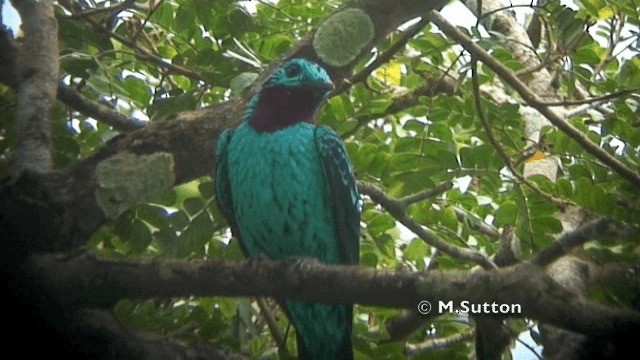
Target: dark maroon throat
[280,107]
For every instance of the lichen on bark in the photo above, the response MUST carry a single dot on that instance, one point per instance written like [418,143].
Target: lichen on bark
[126,179]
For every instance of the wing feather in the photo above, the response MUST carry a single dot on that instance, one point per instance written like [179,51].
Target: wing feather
[223,184]
[345,200]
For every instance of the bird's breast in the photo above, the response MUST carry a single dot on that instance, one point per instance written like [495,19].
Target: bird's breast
[280,193]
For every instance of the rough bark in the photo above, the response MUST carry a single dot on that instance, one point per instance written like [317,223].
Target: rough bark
[38,81]
[88,281]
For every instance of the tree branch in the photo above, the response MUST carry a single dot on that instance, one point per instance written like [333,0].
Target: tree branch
[590,231]
[101,113]
[441,83]
[395,209]
[424,195]
[86,280]
[439,343]
[272,324]
[591,100]
[37,87]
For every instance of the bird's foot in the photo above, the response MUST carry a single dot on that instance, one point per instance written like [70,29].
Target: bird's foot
[302,263]
[255,260]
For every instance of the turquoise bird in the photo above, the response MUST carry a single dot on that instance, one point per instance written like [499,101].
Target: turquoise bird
[286,187]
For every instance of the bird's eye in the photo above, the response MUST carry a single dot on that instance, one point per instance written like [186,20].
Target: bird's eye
[293,70]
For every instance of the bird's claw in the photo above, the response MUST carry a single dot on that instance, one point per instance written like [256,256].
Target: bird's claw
[255,260]
[301,263]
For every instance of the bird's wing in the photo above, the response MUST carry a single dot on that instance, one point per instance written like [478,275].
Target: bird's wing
[223,183]
[345,201]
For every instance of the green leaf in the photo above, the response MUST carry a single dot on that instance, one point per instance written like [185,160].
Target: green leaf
[369,259]
[137,90]
[506,214]
[79,67]
[630,73]
[417,250]
[139,236]
[193,239]
[274,46]
[448,218]
[386,246]
[163,107]
[380,224]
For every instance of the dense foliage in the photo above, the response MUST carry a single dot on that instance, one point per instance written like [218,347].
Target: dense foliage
[411,126]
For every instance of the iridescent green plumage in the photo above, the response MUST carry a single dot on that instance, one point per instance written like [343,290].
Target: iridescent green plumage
[287,189]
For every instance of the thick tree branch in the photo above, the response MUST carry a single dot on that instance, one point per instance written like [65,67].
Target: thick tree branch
[87,280]
[402,326]
[38,81]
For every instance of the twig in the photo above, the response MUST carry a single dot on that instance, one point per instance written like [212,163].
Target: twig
[267,4]
[531,98]
[146,19]
[531,348]
[541,65]
[95,11]
[614,38]
[272,324]
[394,208]
[424,195]
[434,84]
[476,223]
[144,54]
[590,231]
[590,100]
[98,112]
[439,343]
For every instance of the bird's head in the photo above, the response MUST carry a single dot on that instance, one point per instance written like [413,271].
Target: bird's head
[290,95]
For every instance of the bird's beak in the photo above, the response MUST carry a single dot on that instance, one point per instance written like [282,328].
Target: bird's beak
[322,85]
[329,89]
[322,88]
